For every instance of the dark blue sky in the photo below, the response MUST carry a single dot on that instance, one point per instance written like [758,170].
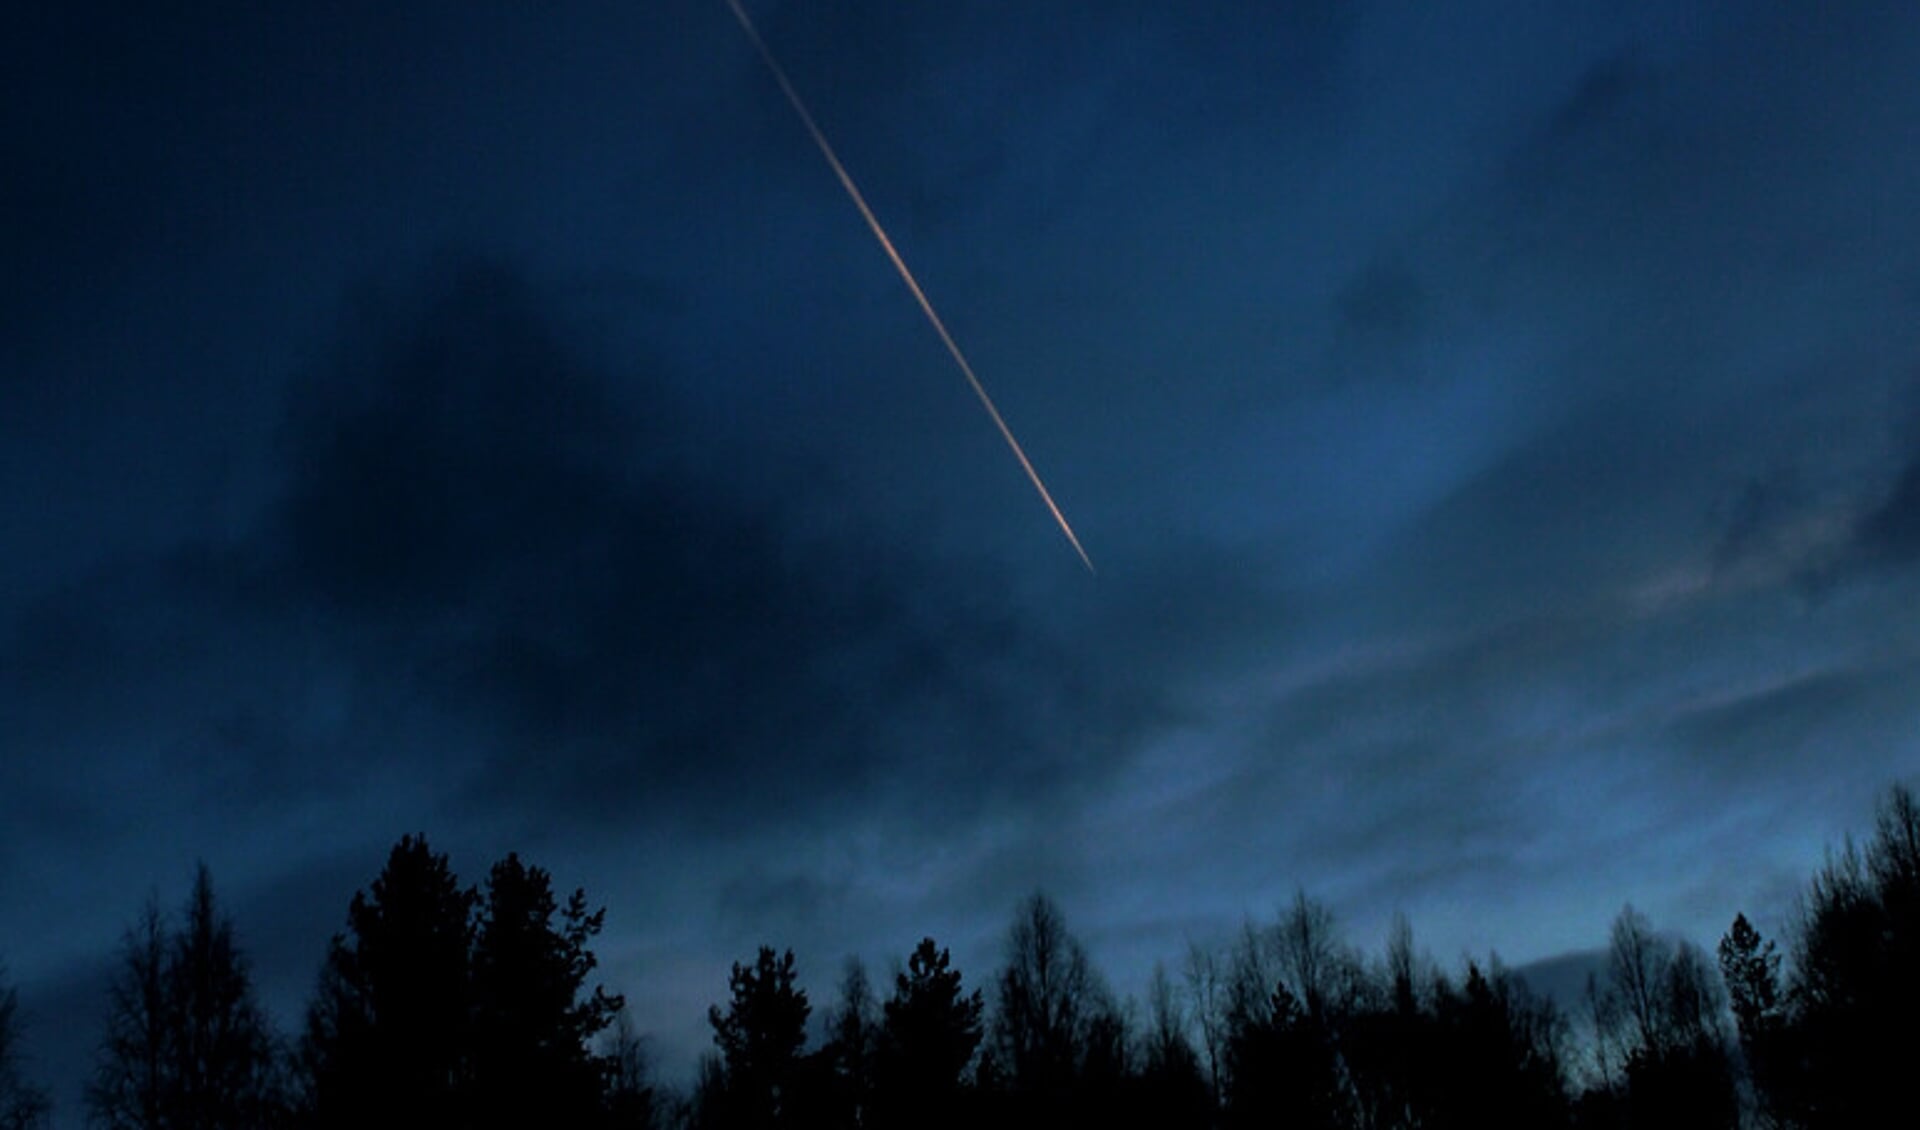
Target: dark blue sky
[1497,427]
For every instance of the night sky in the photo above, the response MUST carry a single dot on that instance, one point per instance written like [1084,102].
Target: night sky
[1496,427]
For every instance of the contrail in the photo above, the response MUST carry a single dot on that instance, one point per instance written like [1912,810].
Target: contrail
[906,274]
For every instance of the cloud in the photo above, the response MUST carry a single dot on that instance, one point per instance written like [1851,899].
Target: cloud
[475,499]
[1637,264]
[500,586]
[1777,728]
[1563,979]
[1774,720]
[763,904]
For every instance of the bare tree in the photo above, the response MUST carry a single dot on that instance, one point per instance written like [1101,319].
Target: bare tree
[1206,988]
[1661,1019]
[131,1088]
[1636,961]
[1048,996]
[186,1044]
[1402,967]
[1856,950]
[1894,856]
[1173,1088]
[631,1100]
[853,1031]
[1312,958]
[1251,976]
[1166,1018]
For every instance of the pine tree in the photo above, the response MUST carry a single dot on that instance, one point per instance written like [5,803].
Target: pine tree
[760,1036]
[533,1020]
[438,1008]
[929,1032]
[387,1034]
[1750,968]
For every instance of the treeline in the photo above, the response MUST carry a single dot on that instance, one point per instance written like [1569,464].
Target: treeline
[448,1006]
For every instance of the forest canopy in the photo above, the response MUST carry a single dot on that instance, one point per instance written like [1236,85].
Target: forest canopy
[440,1004]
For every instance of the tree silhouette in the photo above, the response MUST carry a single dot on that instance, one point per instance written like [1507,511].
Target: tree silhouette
[760,1036]
[1320,969]
[1280,1068]
[631,1101]
[1105,1093]
[1173,1086]
[23,1106]
[230,1069]
[1290,991]
[532,1062]
[131,1088]
[1857,973]
[1660,1023]
[186,1044]
[852,1050]
[706,1108]
[1207,988]
[1047,996]
[1497,1059]
[388,1032]
[1391,1043]
[440,1007]
[930,1031]
[1750,968]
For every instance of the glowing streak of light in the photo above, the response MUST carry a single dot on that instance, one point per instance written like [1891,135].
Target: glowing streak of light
[906,274]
